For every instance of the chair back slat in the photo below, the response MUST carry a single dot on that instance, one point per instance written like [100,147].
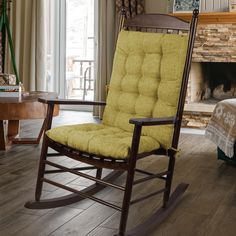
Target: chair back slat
[156,21]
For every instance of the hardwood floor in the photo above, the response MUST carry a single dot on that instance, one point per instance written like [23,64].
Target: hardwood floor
[207,208]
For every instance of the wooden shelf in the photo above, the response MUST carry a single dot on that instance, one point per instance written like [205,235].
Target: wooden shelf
[210,17]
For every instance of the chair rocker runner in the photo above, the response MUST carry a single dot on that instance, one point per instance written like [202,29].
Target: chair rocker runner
[142,117]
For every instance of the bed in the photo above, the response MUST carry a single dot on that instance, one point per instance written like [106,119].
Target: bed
[222,130]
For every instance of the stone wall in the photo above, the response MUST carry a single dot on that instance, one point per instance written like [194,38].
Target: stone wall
[215,43]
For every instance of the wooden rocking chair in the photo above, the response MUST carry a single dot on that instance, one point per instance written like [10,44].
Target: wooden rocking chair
[142,117]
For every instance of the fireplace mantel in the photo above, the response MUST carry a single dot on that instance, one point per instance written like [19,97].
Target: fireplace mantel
[210,17]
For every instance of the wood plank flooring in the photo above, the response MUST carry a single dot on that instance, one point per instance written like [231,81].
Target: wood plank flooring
[207,208]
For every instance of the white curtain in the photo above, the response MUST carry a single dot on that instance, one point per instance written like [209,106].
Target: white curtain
[28,21]
[105,48]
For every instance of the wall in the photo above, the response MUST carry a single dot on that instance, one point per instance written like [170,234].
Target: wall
[156,6]
[214,5]
[160,6]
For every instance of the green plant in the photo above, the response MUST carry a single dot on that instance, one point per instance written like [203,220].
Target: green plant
[6,31]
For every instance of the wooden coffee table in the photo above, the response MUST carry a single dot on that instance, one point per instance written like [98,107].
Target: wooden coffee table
[12,110]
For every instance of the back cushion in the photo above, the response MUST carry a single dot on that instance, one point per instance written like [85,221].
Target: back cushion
[146,80]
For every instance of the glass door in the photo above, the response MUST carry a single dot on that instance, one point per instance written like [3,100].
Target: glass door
[80,30]
[70,48]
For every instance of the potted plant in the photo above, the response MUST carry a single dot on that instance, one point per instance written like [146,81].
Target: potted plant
[9,84]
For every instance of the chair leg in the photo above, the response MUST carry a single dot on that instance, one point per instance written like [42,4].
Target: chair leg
[129,179]
[99,174]
[41,170]
[126,200]
[171,167]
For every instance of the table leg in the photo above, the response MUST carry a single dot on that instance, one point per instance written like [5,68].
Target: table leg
[13,128]
[8,132]
[2,136]
[30,140]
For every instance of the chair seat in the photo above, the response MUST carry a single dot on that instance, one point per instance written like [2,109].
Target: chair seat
[100,139]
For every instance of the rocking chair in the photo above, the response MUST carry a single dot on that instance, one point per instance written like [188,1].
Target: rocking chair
[142,117]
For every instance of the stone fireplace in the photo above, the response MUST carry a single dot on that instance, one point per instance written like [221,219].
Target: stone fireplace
[213,72]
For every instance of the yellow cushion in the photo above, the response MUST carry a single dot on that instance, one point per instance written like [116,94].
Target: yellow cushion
[146,81]
[100,139]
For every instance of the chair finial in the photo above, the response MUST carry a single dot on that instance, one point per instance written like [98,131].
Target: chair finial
[195,13]
[122,17]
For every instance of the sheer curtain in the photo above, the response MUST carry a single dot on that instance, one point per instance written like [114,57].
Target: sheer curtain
[106,19]
[28,21]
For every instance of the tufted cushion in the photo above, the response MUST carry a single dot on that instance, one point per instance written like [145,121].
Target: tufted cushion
[100,139]
[146,79]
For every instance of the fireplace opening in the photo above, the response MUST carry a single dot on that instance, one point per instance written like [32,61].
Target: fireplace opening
[211,82]
[219,80]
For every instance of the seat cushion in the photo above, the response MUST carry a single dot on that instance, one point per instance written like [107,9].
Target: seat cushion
[146,80]
[100,139]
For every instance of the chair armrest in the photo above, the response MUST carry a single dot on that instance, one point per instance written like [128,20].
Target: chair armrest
[153,121]
[71,102]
